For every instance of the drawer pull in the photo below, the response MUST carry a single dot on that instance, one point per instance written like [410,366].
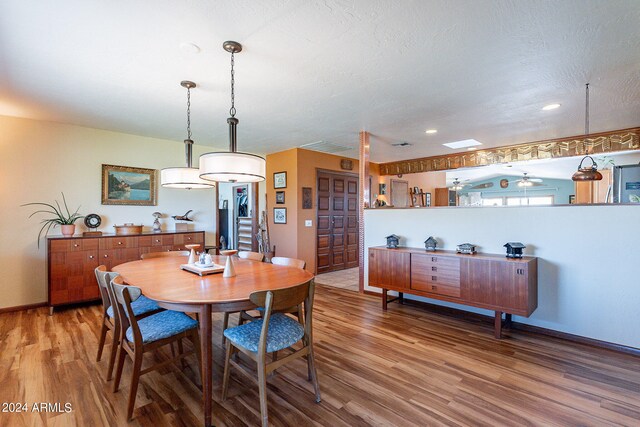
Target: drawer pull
[157,240]
[75,245]
[90,256]
[188,238]
[434,278]
[434,268]
[434,288]
[119,243]
[106,256]
[434,259]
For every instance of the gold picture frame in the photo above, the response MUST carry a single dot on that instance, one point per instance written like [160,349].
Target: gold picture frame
[124,185]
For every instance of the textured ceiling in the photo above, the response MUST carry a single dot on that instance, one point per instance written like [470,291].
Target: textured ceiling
[323,70]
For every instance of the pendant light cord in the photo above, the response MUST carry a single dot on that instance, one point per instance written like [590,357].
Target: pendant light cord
[232,111]
[586,114]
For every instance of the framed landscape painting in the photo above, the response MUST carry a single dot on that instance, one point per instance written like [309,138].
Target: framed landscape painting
[123,185]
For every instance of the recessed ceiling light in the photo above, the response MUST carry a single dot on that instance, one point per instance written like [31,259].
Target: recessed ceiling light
[431,131]
[462,144]
[551,107]
[189,47]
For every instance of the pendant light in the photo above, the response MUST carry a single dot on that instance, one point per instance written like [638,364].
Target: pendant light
[587,173]
[187,177]
[232,166]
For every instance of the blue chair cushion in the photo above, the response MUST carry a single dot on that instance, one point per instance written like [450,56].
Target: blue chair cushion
[162,325]
[140,306]
[283,332]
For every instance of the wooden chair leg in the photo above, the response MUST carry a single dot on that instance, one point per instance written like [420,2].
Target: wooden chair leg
[181,352]
[120,357]
[225,377]
[195,339]
[135,379]
[225,325]
[114,351]
[314,375]
[103,336]
[262,385]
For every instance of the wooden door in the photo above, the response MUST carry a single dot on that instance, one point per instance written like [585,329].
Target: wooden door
[337,220]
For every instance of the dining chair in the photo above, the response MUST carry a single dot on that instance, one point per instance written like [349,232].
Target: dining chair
[148,334]
[253,256]
[289,262]
[164,254]
[273,332]
[142,307]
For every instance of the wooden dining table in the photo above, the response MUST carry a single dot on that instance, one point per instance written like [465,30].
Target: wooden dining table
[162,280]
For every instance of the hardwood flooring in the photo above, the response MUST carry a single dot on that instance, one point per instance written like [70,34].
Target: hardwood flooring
[405,367]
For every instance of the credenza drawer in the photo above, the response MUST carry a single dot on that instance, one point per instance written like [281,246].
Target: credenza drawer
[118,242]
[73,245]
[435,274]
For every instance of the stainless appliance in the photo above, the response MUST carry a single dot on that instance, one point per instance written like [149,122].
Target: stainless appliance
[626,184]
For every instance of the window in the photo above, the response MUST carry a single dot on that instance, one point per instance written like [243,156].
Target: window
[495,201]
[530,201]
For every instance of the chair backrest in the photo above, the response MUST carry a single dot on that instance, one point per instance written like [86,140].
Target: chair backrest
[284,298]
[123,296]
[289,262]
[253,256]
[103,277]
[164,254]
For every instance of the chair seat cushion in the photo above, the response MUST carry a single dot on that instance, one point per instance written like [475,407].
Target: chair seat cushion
[140,306]
[162,325]
[283,332]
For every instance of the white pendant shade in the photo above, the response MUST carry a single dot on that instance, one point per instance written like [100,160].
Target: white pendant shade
[232,167]
[183,178]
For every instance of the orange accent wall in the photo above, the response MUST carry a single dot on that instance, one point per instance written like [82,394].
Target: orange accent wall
[294,239]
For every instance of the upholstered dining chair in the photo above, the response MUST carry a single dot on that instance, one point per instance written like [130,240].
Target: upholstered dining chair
[148,334]
[142,307]
[253,256]
[164,254]
[273,332]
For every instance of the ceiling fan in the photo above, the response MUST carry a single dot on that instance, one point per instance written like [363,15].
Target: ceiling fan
[457,185]
[527,181]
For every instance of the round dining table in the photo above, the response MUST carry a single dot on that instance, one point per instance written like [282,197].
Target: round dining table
[162,280]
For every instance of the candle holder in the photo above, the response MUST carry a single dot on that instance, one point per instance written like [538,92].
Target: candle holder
[192,255]
[229,269]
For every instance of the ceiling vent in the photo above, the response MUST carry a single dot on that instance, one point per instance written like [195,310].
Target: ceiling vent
[402,144]
[325,147]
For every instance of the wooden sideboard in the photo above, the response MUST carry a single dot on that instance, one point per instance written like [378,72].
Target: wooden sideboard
[71,261]
[493,282]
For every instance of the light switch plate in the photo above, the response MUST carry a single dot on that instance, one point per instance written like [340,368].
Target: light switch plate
[307,223]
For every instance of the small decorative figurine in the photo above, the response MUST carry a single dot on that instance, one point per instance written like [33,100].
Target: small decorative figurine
[514,249]
[184,217]
[392,241]
[156,224]
[430,244]
[466,248]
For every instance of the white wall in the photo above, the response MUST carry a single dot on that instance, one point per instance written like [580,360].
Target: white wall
[38,160]
[588,267]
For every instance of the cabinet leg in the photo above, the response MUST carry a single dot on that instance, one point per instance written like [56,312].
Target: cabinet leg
[498,325]
[384,299]
[507,320]
[401,297]
[50,310]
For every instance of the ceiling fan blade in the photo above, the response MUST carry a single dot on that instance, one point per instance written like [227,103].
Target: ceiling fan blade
[535,179]
[536,183]
[482,186]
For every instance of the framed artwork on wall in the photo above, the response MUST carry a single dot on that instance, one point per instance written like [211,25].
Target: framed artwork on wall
[279,215]
[124,185]
[280,180]
[427,199]
[382,189]
[307,200]
[279,197]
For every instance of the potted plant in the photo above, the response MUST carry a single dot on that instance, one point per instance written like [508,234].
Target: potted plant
[64,218]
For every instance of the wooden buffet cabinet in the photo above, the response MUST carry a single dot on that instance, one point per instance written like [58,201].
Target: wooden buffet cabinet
[71,261]
[493,282]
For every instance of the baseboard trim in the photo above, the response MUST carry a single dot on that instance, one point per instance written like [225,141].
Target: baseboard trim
[22,307]
[476,317]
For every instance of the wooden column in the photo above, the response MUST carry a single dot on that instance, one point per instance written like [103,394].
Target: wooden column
[364,199]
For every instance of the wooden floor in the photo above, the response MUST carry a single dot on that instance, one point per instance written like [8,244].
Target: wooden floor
[405,367]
